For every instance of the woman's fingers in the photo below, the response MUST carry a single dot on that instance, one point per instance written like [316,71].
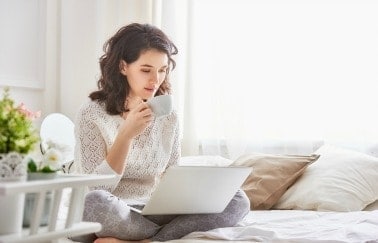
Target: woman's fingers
[143,110]
[141,114]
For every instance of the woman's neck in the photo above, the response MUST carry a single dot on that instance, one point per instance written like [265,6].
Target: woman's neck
[132,101]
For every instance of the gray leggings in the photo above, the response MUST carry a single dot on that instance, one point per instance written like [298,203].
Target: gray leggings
[120,222]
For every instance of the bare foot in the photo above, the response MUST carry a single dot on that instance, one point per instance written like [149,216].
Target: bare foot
[115,240]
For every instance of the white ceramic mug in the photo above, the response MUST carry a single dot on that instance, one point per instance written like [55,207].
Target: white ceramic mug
[161,105]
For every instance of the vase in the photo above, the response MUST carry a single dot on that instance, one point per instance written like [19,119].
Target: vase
[32,176]
[12,167]
[31,198]
[12,170]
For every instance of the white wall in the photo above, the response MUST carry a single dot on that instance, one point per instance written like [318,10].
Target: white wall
[22,56]
[85,26]
[49,49]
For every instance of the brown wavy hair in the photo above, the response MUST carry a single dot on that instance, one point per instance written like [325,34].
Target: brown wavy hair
[128,44]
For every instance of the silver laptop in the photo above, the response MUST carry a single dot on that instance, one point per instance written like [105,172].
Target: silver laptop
[195,190]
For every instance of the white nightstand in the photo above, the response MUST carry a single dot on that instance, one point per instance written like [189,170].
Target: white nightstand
[71,224]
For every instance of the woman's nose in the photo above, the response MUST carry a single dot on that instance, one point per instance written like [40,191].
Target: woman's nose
[154,78]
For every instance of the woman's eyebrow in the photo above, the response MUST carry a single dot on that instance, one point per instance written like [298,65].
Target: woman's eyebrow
[150,66]
[146,65]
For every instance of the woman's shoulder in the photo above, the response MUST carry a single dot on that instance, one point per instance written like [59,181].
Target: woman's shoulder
[91,108]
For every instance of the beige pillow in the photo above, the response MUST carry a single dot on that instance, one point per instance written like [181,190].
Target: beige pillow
[271,176]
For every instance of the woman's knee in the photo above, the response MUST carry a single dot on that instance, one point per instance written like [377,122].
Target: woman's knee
[239,206]
[116,218]
[96,203]
[235,211]
[244,200]
[97,195]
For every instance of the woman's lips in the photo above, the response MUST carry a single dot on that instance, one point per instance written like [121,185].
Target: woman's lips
[150,89]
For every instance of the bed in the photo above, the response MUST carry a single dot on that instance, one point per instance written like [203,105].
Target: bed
[328,196]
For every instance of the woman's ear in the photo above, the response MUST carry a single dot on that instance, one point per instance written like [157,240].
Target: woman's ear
[123,67]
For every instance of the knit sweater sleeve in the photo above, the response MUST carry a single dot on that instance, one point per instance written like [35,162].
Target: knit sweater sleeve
[91,148]
[176,147]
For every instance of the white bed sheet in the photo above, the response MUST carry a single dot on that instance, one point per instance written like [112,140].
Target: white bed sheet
[294,226]
[298,226]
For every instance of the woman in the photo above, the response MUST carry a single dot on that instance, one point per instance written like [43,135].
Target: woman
[117,133]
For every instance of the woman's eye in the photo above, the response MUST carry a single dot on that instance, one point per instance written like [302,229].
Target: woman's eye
[145,70]
[163,70]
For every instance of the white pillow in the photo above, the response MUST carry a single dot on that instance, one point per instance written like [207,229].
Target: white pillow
[205,160]
[341,180]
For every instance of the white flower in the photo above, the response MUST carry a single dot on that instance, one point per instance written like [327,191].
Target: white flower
[52,158]
[59,146]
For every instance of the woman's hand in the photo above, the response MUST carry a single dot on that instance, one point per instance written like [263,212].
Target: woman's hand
[136,121]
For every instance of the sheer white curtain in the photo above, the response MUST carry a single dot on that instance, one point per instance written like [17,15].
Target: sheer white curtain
[281,77]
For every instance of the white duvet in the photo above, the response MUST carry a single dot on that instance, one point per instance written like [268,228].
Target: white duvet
[294,226]
[297,226]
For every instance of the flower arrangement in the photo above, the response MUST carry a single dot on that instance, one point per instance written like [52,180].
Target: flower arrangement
[17,131]
[50,160]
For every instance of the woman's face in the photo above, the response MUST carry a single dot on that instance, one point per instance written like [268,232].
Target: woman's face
[146,74]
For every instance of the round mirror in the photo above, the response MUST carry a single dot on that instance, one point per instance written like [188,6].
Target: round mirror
[58,130]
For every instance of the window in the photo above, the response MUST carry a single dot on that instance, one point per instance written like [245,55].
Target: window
[298,70]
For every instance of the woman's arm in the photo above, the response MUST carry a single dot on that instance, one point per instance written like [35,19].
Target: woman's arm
[135,122]
[90,149]
[176,145]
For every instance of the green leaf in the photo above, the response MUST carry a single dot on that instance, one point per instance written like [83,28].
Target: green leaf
[47,169]
[17,131]
[32,167]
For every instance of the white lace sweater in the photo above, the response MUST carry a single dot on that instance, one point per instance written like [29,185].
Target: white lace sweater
[150,153]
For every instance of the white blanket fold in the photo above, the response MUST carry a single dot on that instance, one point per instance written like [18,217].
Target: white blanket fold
[299,226]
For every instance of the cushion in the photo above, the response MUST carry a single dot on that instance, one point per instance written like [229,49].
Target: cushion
[271,176]
[341,180]
[372,206]
[204,160]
